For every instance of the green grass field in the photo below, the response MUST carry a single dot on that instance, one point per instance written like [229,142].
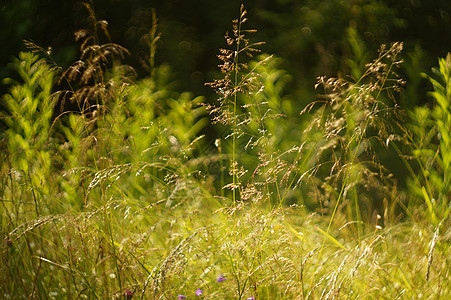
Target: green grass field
[138,191]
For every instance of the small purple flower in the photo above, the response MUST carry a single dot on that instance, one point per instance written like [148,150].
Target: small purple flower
[198,292]
[251,298]
[221,278]
[128,294]
[181,297]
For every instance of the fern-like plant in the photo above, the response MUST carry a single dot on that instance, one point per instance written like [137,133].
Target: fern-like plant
[428,137]
[29,109]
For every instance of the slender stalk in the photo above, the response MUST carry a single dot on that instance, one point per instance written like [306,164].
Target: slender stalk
[107,221]
[235,96]
[353,156]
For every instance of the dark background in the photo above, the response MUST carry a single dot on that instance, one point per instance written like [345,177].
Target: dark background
[310,35]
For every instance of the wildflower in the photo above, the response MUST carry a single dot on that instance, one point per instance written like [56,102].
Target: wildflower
[128,294]
[251,298]
[198,292]
[181,297]
[221,278]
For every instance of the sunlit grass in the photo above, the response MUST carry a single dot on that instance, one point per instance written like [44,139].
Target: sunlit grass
[125,198]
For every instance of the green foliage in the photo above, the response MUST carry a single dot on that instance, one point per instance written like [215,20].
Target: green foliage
[29,109]
[430,141]
[125,196]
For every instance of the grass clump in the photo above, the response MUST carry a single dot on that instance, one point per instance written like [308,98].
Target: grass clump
[123,197]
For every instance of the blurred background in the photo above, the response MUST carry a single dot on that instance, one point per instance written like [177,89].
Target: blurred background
[312,37]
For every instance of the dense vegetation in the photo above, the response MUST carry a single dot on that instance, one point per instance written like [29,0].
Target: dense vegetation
[116,184]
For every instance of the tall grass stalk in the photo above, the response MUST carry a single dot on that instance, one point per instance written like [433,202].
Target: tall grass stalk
[237,33]
[347,97]
[237,81]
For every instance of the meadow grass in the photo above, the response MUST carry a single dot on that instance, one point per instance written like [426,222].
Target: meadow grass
[123,197]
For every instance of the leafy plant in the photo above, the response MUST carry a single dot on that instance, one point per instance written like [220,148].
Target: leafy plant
[28,147]
[429,140]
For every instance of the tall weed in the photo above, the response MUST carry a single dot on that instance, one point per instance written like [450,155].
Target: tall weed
[428,137]
[27,143]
